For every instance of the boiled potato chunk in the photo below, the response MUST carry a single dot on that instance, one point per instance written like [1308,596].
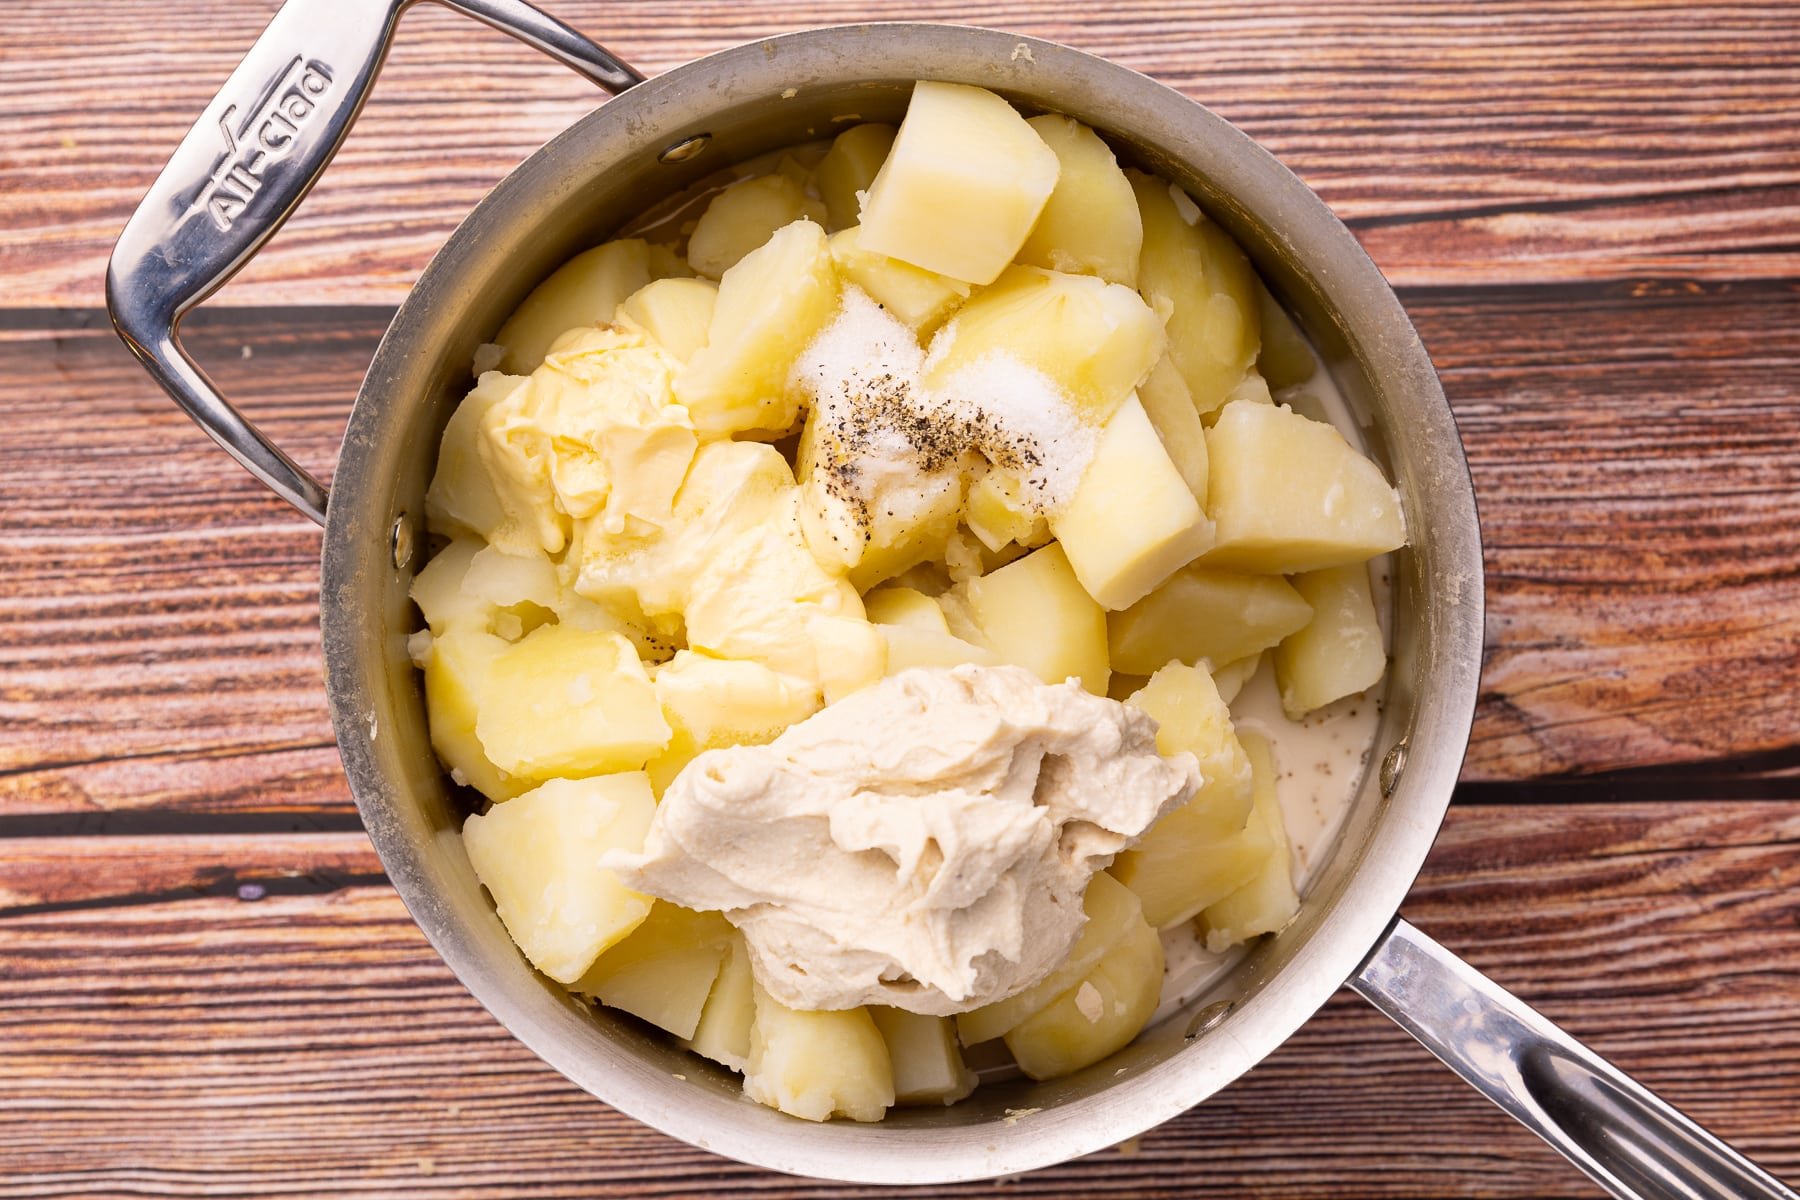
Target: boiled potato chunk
[769,307]
[662,971]
[1098,1015]
[910,646]
[743,217]
[1133,521]
[996,512]
[1231,678]
[849,167]
[896,605]
[928,1064]
[439,593]
[675,313]
[912,294]
[586,290]
[723,1032]
[462,496]
[1090,226]
[1171,410]
[962,186]
[1184,863]
[1290,494]
[456,683]
[569,702]
[1203,613]
[1095,341]
[713,702]
[818,1065]
[1339,652]
[1196,275]
[1268,901]
[538,856]
[1034,613]
[1113,911]
[1286,357]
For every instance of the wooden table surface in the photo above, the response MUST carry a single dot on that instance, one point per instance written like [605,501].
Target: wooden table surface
[1592,211]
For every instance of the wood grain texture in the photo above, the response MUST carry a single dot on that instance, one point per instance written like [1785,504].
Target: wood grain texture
[1634,453]
[1535,141]
[313,1045]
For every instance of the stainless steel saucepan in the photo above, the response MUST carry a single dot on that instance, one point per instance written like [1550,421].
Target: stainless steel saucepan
[251,158]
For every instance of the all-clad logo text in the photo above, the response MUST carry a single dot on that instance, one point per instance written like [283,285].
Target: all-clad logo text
[266,135]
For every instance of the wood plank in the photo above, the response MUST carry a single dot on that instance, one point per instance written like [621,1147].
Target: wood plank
[160,609]
[1538,141]
[323,1050]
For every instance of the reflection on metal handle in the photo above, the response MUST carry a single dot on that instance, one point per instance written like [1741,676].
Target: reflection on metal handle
[246,165]
[1625,1138]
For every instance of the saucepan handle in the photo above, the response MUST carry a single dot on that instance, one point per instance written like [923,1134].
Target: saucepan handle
[246,165]
[1625,1138]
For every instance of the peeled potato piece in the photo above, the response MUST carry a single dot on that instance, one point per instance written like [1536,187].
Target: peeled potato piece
[1133,521]
[1286,358]
[456,674]
[1290,494]
[1339,652]
[920,298]
[1090,226]
[1166,402]
[1035,614]
[818,1065]
[462,497]
[675,313]
[1204,614]
[1268,901]
[897,605]
[723,1031]
[962,186]
[743,217]
[586,290]
[538,856]
[662,971]
[849,167]
[928,1064]
[712,702]
[1098,1015]
[769,307]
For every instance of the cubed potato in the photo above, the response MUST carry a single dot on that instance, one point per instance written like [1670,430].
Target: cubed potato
[1268,902]
[1252,387]
[538,857]
[1195,274]
[586,290]
[912,294]
[1090,226]
[961,187]
[849,167]
[1289,494]
[818,1065]
[851,654]
[1171,410]
[675,313]
[1286,357]
[713,702]
[871,535]
[662,971]
[1133,520]
[1034,613]
[456,675]
[439,593]
[1187,860]
[910,646]
[996,512]
[928,1064]
[462,497]
[569,702]
[723,1032]
[1231,678]
[1093,340]
[1340,651]
[1113,911]
[744,217]
[1204,614]
[770,306]
[896,605]
[1098,1015]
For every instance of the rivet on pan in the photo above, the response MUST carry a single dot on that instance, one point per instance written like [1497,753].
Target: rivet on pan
[402,540]
[1392,767]
[1208,1017]
[685,149]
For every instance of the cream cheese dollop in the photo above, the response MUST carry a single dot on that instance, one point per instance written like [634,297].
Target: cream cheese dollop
[923,843]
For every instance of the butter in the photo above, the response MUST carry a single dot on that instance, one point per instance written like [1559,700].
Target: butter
[923,844]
